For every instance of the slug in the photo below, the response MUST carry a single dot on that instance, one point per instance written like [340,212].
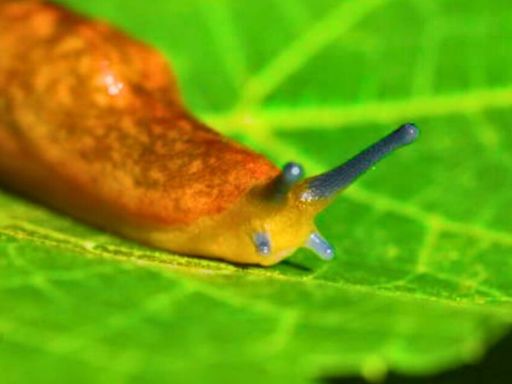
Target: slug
[92,124]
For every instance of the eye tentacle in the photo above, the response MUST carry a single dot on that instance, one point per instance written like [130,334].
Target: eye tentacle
[328,184]
[292,173]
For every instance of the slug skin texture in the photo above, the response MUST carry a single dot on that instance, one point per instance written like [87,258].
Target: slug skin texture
[91,123]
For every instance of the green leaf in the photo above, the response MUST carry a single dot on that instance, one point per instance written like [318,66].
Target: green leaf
[423,277]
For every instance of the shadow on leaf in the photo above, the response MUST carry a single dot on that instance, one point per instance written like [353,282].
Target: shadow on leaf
[493,369]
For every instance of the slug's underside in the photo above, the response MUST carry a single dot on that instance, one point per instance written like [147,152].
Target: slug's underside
[91,123]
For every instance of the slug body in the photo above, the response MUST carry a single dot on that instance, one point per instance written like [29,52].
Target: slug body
[92,124]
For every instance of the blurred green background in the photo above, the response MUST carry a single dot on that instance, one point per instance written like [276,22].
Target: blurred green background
[422,282]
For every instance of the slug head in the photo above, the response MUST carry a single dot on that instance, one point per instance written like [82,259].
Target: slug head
[279,217]
[275,219]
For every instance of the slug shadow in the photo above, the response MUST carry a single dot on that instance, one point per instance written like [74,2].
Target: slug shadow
[297,266]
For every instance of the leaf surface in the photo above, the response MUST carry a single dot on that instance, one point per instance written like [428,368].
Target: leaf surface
[423,275]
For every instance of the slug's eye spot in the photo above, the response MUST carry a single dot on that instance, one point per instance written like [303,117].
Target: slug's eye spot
[320,246]
[409,133]
[262,243]
[292,173]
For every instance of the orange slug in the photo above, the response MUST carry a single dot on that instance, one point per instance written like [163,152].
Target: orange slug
[92,124]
